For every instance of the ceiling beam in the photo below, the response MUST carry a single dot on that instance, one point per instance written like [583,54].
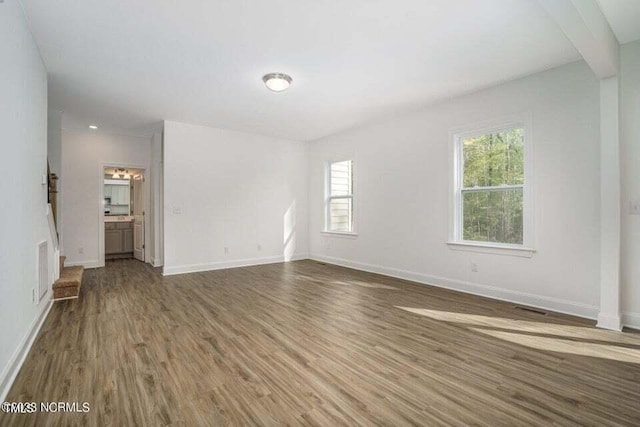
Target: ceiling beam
[586,26]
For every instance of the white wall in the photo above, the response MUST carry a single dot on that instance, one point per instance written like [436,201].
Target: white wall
[23,123]
[234,190]
[54,156]
[630,188]
[403,182]
[54,140]
[83,155]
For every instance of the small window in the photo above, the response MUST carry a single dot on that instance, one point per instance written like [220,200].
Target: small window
[339,200]
[491,186]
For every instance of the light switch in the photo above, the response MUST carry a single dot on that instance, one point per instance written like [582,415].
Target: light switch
[634,207]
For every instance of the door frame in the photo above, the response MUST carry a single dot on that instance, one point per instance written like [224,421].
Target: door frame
[134,195]
[145,192]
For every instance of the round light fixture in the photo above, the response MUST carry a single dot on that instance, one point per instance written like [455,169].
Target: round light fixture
[277,82]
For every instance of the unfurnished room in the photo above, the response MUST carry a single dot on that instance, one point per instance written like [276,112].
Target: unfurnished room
[296,212]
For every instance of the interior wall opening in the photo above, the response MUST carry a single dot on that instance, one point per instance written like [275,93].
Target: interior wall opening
[123,210]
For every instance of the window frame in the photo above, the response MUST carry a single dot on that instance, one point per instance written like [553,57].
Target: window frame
[328,198]
[457,136]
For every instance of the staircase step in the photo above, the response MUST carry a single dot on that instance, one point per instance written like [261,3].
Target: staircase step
[68,285]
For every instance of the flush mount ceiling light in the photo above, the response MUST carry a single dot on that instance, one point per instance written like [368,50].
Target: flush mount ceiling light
[277,82]
[94,127]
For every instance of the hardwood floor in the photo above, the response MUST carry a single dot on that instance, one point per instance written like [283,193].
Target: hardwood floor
[313,344]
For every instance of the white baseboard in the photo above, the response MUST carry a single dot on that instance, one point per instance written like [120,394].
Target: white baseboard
[15,363]
[609,321]
[85,264]
[631,320]
[532,300]
[193,268]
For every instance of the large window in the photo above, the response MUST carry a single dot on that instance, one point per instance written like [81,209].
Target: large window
[340,197]
[491,187]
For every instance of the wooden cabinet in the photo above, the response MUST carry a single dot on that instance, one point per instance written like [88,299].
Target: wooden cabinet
[112,241]
[127,240]
[118,238]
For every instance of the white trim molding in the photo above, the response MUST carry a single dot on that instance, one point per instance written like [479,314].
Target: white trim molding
[145,190]
[85,264]
[15,363]
[547,303]
[352,196]
[344,234]
[488,248]
[608,321]
[194,268]
[631,320]
[456,136]
[155,262]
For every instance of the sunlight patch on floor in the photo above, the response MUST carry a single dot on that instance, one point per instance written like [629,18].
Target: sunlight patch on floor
[529,326]
[603,351]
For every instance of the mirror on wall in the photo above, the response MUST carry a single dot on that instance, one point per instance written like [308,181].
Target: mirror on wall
[117,191]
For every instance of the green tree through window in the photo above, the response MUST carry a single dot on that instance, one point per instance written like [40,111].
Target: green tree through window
[492,185]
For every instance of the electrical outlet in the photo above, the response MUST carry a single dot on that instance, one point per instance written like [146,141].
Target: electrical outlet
[81,251]
[226,250]
[33,294]
[259,247]
[474,267]
[177,210]
[634,207]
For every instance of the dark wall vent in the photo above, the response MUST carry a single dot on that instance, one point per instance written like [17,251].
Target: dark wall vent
[531,310]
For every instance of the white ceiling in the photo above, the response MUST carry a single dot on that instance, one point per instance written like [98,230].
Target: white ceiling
[623,17]
[129,64]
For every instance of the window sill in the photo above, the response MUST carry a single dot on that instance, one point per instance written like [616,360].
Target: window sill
[345,234]
[489,248]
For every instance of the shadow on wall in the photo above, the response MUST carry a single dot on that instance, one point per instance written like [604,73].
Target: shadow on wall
[289,232]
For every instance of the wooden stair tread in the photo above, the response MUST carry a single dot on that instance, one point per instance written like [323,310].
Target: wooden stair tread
[69,276]
[68,285]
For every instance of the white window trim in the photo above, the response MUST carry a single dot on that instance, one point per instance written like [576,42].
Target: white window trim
[346,234]
[455,242]
[328,197]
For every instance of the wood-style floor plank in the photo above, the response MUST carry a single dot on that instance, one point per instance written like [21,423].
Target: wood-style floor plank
[305,343]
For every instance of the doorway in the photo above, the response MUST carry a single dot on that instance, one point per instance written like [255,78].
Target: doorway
[123,213]
[137,189]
